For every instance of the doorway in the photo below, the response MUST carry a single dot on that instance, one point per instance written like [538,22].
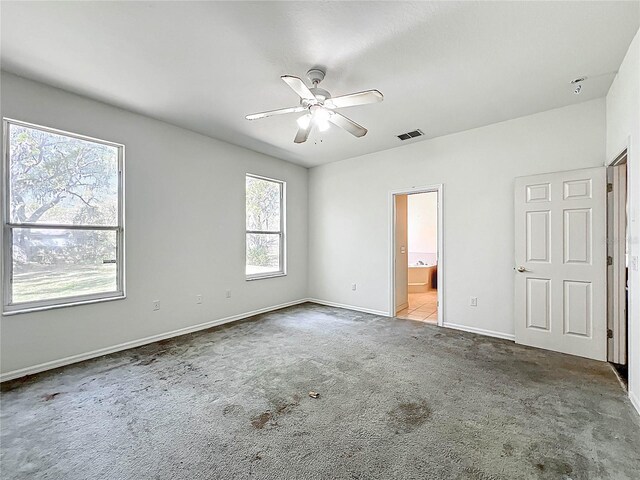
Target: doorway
[416,254]
[617,264]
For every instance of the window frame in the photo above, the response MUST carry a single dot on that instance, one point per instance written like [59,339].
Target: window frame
[282,232]
[10,308]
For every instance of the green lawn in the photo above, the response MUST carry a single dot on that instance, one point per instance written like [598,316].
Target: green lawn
[37,282]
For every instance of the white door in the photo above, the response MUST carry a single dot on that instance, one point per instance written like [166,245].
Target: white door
[561,262]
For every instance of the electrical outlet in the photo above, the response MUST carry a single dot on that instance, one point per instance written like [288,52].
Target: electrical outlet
[198,299]
[156,305]
[474,301]
[228,294]
[354,287]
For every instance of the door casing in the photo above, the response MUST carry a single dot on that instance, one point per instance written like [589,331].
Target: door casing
[617,231]
[439,189]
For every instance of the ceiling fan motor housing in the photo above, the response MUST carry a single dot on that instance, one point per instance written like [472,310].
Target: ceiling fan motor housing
[315,75]
[320,93]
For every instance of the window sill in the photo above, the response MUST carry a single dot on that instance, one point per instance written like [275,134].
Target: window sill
[250,278]
[17,309]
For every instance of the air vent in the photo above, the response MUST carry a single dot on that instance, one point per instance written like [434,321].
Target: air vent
[408,135]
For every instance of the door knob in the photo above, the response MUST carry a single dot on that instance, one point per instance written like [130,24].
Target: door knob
[521,269]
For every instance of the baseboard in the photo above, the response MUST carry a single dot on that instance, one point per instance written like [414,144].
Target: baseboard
[480,331]
[137,343]
[348,307]
[402,307]
[635,401]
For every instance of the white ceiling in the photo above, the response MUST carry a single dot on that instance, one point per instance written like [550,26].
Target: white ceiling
[443,67]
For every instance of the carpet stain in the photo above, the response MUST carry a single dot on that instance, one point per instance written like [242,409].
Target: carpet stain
[507,450]
[232,410]
[50,396]
[270,417]
[547,466]
[406,417]
[554,466]
[261,420]
[257,457]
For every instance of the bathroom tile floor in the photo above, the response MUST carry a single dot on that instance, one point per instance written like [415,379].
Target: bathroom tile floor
[422,307]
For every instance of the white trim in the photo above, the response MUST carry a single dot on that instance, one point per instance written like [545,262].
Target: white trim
[10,308]
[70,302]
[264,275]
[623,153]
[21,372]
[282,271]
[349,307]
[635,401]
[481,331]
[439,189]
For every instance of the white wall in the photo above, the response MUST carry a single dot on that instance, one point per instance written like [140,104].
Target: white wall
[349,210]
[623,130]
[422,223]
[177,182]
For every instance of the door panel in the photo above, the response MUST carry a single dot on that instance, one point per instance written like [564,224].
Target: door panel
[577,189]
[577,308]
[538,193]
[538,239]
[577,236]
[560,249]
[538,303]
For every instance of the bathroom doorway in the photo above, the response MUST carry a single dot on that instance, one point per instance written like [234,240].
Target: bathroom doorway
[417,255]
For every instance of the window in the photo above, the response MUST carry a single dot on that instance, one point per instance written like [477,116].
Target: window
[265,228]
[63,233]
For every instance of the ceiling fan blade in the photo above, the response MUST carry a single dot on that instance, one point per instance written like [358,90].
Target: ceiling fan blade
[303,134]
[299,87]
[349,125]
[359,98]
[270,113]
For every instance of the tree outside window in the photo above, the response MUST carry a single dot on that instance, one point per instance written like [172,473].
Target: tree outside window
[64,232]
[264,219]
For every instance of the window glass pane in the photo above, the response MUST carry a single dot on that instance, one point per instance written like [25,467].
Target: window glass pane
[61,180]
[50,264]
[263,205]
[263,253]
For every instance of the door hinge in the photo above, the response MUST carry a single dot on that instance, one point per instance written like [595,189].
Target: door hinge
[609,187]
[609,333]
[609,260]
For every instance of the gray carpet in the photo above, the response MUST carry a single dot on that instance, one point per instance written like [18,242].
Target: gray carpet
[398,400]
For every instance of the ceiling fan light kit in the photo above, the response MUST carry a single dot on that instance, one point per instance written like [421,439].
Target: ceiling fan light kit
[319,106]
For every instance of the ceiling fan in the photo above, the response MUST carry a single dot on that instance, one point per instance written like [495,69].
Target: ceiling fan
[320,106]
